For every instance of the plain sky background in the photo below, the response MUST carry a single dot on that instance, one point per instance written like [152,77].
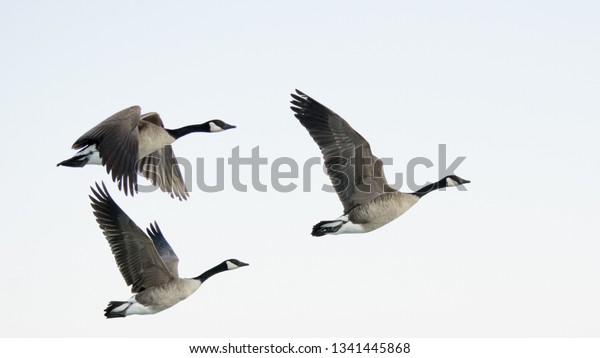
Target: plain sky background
[511,85]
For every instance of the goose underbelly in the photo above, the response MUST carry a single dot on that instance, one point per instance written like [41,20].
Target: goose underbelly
[162,297]
[380,211]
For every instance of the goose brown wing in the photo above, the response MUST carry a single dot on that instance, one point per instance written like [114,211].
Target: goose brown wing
[116,139]
[356,174]
[135,253]
[153,118]
[161,167]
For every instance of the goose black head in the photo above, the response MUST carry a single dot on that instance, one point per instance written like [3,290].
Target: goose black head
[233,264]
[453,180]
[217,125]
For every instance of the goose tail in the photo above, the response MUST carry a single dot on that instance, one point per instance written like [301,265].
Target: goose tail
[77,161]
[87,155]
[114,309]
[327,227]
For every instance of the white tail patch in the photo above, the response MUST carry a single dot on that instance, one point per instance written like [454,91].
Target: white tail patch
[92,154]
[351,228]
[134,307]
[348,227]
[94,158]
[333,224]
[121,307]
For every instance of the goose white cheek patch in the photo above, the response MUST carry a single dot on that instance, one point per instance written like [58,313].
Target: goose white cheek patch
[214,127]
[450,182]
[231,266]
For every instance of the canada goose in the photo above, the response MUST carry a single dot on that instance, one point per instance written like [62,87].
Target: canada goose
[128,141]
[147,262]
[357,175]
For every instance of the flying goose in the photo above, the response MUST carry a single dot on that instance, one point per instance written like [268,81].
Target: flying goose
[357,175]
[147,262]
[128,142]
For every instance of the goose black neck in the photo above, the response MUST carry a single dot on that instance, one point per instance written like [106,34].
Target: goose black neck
[213,271]
[180,132]
[430,187]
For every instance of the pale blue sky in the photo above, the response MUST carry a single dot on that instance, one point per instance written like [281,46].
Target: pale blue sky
[511,85]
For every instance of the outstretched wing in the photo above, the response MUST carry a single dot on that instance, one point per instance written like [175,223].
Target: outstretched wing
[165,251]
[116,139]
[162,169]
[135,253]
[357,175]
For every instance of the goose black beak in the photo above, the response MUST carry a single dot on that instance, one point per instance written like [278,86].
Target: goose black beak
[243,263]
[229,126]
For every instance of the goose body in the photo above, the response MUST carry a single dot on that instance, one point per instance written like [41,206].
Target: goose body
[357,175]
[146,261]
[128,143]
[154,300]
